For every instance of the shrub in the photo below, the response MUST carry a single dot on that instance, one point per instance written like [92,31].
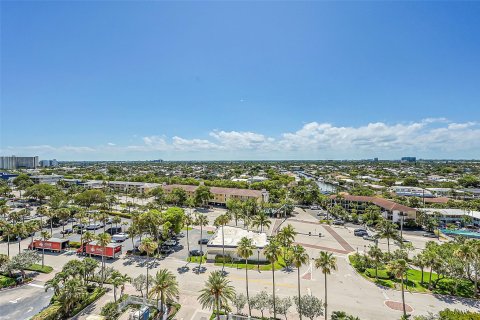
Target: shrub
[125,215]
[52,312]
[219,259]
[110,311]
[97,293]
[6,281]
[38,268]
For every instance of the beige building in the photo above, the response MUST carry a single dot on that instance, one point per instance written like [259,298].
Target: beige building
[222,195]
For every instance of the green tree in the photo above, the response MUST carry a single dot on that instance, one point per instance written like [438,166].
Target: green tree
[148,246]
[387,230]
[103,240]
[312,307]
[399,268]
[221,221]
[272,252]
[261,220]
[165,287]
[376,254]
[45,236]
[202,195]
[299,258]
[327,263]
[217,292]
[201,221]
[245,249]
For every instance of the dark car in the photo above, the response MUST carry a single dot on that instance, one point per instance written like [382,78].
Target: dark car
[113,230]
[360,233]
[166,250]
[203,241]
[196,253]
[339,222]
[67,231]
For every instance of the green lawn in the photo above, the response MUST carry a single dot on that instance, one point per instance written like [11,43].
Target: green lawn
[6,281]
[444,286]
[39,268]
[197,259]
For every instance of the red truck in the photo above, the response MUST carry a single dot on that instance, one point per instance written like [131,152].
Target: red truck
[52,244]
[112,250]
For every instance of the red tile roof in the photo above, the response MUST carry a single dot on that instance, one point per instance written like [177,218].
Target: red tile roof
[218,190]
[383,203]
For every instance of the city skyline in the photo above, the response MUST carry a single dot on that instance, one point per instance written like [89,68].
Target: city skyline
[185,81]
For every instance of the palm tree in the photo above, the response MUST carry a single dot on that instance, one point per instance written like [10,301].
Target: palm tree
[328,263]
[8,230]
[387,230]
[4,210]
[45,236]
[272,251]
[51,214]
[261,220]
[299,258]
[165,286]
[188,221]
[217,292]
[399,268]
[71,293]
[103,240]
[20,231]
[32,227]
[286,236]
[245,250]
[43,211]
[87,237]
[148,246]
[221,221]
[53,283]
[376,254]
[201,221]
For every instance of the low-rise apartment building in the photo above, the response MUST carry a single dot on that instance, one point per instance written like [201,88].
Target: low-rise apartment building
[390,210]
[222,195]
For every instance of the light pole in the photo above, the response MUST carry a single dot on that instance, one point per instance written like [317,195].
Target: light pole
[258,259]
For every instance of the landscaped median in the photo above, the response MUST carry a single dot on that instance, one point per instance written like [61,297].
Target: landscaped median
[38,268]
[52,312]
[241,264]
[413,280]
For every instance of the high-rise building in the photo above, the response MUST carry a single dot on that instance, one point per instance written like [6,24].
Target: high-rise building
[409,159]
[49,163]
[14,162]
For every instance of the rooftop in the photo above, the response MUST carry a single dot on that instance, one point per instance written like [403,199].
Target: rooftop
[233,235]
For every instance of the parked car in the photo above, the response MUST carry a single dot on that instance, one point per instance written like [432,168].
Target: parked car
[196,253]
[109,221]
[67,231]
[203,241]
[119,237]
[170,242]
[72,220]
[430,235]
[360,233]
[166,250]
[338,222]
[94,226]
[113,230]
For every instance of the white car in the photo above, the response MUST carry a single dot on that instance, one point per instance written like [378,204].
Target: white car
[119,237]
[170,242]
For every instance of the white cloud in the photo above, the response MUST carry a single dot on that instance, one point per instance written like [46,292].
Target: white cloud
[433,138]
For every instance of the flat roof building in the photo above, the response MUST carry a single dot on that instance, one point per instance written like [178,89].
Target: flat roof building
[232,236]
[454,215]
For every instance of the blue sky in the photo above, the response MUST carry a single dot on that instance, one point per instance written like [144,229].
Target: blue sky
[240,80]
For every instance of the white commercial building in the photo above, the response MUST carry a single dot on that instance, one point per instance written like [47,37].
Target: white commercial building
[454,215]
[232,236]
[411,192]
[48,179]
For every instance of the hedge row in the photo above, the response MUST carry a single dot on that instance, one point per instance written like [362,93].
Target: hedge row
[49,313]
[38,268]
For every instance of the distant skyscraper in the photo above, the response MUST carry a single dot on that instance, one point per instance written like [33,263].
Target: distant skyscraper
[14,162]
[49,163]
[409,159]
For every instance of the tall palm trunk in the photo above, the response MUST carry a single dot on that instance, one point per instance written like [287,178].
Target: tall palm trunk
[8,245]
[147,275]
[246,280]
[430,279]
[388,244]
[403,298]
[19,242]
[299,296]
[103,266]
[217,307]
[274,302]
[43,256]
[201,249]
[51,226]
[326,305]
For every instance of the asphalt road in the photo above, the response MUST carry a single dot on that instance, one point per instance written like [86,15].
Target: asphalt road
[24,302]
